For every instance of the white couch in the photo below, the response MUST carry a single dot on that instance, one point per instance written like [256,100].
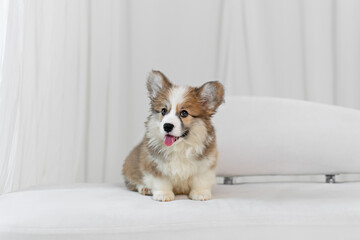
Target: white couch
[256,136]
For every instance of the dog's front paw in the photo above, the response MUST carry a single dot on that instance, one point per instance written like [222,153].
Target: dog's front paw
[145,191]
[163,196]
[200,195]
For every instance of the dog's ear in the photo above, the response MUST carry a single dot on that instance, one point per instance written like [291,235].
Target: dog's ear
[211,95]
[156,81]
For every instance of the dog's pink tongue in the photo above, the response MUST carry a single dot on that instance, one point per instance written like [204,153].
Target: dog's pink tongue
[169,140]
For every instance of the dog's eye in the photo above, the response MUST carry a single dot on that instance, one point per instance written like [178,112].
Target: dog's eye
[184,113]
[163,111]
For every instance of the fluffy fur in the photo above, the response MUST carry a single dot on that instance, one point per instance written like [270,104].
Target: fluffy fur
[186,163]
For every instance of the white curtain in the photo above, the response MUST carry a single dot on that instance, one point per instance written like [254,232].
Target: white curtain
[72,73]
[64,90]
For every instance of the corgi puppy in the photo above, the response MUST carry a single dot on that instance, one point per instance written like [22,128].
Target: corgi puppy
[178,153]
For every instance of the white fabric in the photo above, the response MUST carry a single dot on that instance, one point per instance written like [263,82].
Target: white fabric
[247,210]
[294,49]
[264,136]
[72,73]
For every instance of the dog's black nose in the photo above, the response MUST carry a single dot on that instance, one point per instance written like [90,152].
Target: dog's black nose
[168,127]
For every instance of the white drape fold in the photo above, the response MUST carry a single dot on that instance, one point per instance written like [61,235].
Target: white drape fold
[64,85]
[297,49]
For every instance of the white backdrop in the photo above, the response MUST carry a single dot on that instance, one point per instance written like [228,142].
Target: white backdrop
[72,73]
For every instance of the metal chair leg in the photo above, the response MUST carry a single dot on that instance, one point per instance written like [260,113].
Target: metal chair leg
[330,178]
[228,180]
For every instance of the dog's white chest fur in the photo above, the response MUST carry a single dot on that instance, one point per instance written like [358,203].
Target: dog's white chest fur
[178,170]
[182,165]
[178,167]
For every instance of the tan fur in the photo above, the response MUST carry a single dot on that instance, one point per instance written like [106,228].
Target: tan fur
[138,162]
[151,157]
[131,167]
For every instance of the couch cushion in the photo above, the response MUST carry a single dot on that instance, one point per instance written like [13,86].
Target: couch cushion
[260,136]
[253,211]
